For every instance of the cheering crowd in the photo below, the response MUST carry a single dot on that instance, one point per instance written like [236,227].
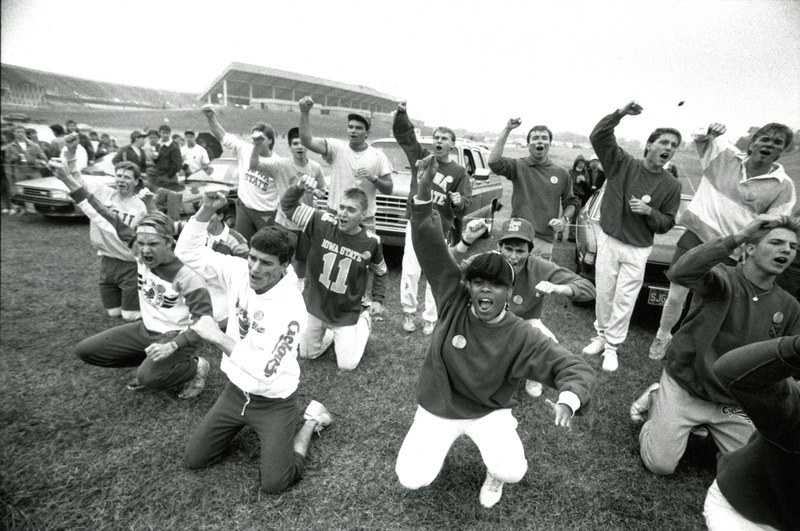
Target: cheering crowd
[293,281]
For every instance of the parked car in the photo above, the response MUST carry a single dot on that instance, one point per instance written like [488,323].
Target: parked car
[656,285]
[49,197]
[390,220]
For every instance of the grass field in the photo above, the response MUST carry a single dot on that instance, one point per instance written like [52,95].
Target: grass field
[78,451]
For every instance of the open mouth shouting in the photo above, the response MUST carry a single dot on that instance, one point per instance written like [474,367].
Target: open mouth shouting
[484,304]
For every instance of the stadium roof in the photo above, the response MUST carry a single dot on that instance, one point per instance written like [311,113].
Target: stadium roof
[242,72]
[61,87]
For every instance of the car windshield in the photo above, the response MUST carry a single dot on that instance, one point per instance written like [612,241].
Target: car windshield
[102,166]
[222,172]
[397,157]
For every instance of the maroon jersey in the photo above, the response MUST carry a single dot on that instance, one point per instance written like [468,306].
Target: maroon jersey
[336,264]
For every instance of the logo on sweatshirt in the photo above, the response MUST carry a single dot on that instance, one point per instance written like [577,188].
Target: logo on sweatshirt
[282,347]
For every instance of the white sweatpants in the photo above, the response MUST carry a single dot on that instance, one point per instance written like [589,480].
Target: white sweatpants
[618,277]
[427,442]
[349,342]
[409,282]
[721,516]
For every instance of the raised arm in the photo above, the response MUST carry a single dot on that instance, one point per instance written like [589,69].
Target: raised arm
[434,257]
[604,141]
[290,202]
[191,248]
[317,145]
[695,268]
[213,122]
[403,131]
[497,150]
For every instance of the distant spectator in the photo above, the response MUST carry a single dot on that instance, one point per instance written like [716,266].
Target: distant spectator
[112,142]
[595,174]
[94,138]
[105,142]
[83,140]
[25,156]
[195,157]
[168,162]
[23,160]
[33,136]
[151,148]
[5,186]
[134,152]
[581,188]
[179,141]
[74,153]
[58,142]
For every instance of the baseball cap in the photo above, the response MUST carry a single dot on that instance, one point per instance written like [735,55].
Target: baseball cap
[361,117]
[518,228]
[137,134]
[593,157]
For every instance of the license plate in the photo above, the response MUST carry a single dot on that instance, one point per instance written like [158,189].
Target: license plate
[30,208]
[657,296]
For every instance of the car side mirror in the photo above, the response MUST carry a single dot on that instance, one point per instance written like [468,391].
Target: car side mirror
[481,174]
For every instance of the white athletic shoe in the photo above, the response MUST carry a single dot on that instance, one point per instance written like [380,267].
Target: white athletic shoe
[491,491]
[641,405]
[195,386]
[427,327]
[610,361]
[408,322]
[659,347]
[533,388]
[594,348]
[319,413]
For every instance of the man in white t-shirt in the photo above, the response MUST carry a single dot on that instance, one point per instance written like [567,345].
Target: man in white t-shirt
[258,201]
[285,172]
[195,157]
[353,164]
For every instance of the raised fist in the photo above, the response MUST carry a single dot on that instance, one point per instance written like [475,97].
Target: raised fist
[305,104]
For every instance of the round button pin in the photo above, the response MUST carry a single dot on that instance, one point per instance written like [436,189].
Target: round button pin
[459,342]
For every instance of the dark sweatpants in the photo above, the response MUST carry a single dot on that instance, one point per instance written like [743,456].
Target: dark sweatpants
[273,419]
[123,346]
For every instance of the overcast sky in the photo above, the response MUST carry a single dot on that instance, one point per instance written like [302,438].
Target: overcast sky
[467,64]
